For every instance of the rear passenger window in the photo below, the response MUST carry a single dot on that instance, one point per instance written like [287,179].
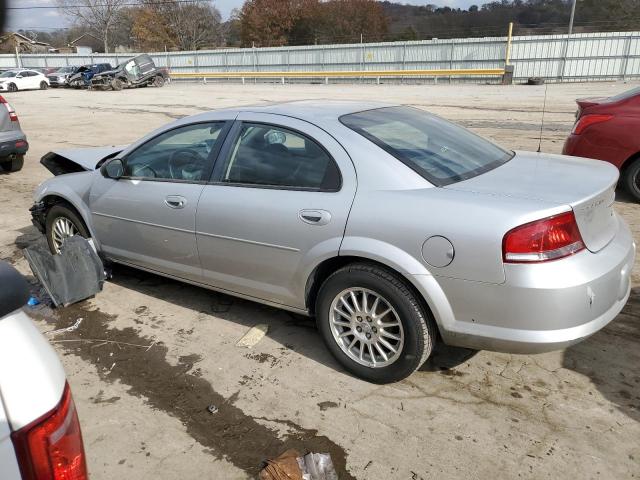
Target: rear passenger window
[274,156]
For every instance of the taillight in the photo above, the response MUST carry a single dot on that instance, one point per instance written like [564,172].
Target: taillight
[13,116]
[588,120]
[51,448]
[543,240]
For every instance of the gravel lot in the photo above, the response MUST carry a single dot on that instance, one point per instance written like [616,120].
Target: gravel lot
[171,349]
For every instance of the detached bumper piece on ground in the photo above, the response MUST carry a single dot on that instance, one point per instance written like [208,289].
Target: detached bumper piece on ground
[73,275]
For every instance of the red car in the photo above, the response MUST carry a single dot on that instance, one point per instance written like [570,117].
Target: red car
[609,129]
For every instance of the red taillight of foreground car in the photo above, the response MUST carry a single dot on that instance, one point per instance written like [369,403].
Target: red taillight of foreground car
[543,240]
[588,120]
[13,116]
[51,448]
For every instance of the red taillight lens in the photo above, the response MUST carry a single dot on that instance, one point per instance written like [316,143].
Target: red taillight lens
[13,116]
[51,448]
[587,121]
[543,240]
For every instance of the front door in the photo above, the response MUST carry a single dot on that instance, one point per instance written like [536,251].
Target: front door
[279,201]
[147,217]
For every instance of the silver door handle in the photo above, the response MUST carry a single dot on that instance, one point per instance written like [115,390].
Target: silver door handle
[315,217]
[175,201]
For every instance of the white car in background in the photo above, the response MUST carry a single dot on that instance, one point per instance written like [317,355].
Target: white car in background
[40,436]
[23,79]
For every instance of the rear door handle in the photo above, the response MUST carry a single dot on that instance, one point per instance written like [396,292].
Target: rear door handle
[175,201]
[315,217]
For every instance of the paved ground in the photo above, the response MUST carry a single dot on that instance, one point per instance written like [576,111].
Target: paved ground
[171,347]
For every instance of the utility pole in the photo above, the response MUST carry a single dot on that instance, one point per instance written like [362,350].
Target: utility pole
[573,14]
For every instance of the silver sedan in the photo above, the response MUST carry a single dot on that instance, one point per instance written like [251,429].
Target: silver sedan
[392,226]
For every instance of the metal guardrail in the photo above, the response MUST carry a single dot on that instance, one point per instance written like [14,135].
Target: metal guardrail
[346,74]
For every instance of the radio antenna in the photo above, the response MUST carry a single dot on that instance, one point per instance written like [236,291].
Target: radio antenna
[544,109]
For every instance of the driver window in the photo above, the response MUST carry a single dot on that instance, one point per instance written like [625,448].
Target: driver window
[179,154]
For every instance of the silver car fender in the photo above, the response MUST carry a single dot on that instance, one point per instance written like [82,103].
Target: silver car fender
[74,189]
[406,265]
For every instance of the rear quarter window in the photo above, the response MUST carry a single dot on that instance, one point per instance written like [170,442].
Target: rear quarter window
[438,150]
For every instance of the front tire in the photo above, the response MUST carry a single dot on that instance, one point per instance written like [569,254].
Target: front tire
[631,179]
[13,165]
[116,84]
[61,223]
[373,323]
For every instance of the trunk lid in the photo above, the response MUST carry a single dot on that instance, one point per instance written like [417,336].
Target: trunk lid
[587,186]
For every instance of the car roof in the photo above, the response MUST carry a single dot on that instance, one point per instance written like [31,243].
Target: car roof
[313,111]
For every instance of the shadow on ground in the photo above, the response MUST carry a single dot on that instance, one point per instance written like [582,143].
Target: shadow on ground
[611,357]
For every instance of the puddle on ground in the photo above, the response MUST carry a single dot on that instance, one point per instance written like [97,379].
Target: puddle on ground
[229,433]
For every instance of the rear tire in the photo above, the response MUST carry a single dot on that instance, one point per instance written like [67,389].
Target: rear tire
[44,85]
[631,179]
[63,215]
[412,338]
[13,165]
[158,81]
[12,87]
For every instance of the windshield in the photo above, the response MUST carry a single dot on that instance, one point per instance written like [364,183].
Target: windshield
[438,150]
[65,69]
[8,74]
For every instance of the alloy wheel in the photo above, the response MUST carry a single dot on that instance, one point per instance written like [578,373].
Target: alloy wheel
[62,229]
[366,327]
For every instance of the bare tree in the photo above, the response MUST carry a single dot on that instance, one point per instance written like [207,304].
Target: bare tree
[99,15]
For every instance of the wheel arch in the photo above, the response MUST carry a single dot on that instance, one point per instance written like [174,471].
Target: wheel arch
[423,286]
[51,199]
[627,163]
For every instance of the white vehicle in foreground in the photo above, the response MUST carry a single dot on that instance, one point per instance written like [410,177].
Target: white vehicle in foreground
[23,79]
[40,436]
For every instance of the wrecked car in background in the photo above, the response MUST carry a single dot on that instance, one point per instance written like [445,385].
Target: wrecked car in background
[83,75]
[60,77]
[139,71]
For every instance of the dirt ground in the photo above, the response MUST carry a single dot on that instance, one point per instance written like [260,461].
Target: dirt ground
[151,355]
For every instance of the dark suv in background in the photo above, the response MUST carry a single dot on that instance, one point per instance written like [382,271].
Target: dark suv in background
[13,141]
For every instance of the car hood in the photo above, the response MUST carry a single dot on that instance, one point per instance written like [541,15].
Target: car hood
[75,160]
[587,186]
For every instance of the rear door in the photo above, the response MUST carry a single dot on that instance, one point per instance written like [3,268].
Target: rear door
[278,204]
[147,217]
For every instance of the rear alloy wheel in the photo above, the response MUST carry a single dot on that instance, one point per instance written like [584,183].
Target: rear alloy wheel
[62,223]
[373,323]
[12,87]
[116,84]
[631,179]
[14,164]
[158,81]
[44,85]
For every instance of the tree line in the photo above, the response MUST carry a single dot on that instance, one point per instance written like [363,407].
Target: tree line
[158,25]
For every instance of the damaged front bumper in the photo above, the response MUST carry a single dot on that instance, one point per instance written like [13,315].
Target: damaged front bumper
[39,216]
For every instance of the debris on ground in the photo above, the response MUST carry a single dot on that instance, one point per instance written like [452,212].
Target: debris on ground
[75,274]
[283,467]
[253,336]
[212,409]
[66,330]
[33,301]
[317,466]
[292,466]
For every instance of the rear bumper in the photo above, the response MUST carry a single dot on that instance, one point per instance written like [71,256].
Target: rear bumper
[541,307]
[19,146]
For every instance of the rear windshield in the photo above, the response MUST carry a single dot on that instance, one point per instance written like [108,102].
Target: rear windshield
[625,95]
[438,150]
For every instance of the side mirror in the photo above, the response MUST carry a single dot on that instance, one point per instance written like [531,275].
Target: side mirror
[113,169]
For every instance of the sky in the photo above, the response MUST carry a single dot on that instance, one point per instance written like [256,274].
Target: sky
[44,19]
